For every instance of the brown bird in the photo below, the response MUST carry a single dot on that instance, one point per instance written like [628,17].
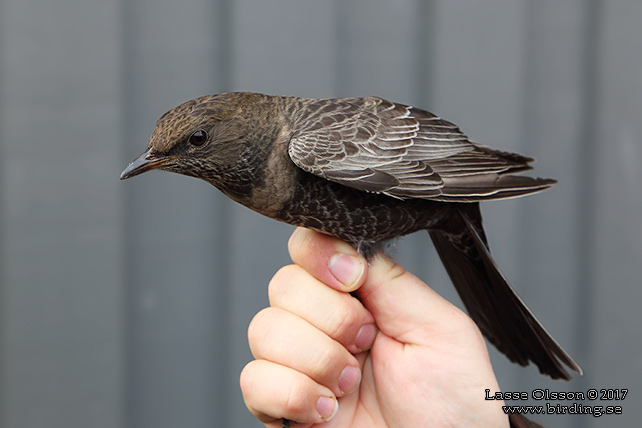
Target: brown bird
[365,170]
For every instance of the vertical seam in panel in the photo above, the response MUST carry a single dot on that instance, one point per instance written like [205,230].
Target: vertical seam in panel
[341,51]
[129,293]
[425,24]
[224,34]
[425,50]
[526,125]
[3,249]
[588,160]
[224,66]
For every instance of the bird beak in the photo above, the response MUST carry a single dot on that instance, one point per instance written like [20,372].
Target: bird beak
[143,163]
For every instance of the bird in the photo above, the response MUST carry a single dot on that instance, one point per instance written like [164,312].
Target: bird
[367,171]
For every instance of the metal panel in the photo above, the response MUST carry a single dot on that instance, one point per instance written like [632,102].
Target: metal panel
[377,49]
[175,233]
[616,250]
[127,304]
[62,294]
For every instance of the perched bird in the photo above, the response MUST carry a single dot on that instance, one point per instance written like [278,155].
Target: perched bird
[365,170]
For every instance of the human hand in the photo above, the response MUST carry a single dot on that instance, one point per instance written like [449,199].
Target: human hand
[398,356]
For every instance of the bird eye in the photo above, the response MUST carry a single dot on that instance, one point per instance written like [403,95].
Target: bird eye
[198,138]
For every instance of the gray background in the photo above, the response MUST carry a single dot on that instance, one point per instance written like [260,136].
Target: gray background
[125,304]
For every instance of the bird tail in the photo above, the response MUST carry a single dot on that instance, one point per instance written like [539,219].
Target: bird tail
[492,303]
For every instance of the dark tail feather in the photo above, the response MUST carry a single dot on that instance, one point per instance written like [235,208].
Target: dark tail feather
[492,303]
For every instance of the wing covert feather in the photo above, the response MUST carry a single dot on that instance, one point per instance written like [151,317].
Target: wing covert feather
[377,146]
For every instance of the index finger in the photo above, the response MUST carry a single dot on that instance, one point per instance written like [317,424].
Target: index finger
[328,259]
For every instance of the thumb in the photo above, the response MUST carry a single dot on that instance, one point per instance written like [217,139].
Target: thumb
[404,307]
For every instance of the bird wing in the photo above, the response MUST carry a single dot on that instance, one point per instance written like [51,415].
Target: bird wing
[377,146]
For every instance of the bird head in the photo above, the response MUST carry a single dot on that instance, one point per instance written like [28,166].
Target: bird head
[199,138]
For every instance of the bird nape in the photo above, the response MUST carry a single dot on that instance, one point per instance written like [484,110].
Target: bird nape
[365,170]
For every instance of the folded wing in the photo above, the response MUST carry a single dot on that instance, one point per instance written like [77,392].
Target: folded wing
[374,145]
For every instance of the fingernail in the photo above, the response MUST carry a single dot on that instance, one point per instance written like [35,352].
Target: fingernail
[327,408]
[349,379]
[365,337]
[346,269]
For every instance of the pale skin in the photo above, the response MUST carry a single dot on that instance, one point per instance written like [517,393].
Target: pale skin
[398,356]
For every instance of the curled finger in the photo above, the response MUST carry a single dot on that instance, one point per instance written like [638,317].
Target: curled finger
[272,392]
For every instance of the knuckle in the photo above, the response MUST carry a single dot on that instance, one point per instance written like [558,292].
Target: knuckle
[342,322]
[246,378]
[257,326]
[280,282]
[460,318]
[299,240]
[460,321]
[326,364]
[298,399]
